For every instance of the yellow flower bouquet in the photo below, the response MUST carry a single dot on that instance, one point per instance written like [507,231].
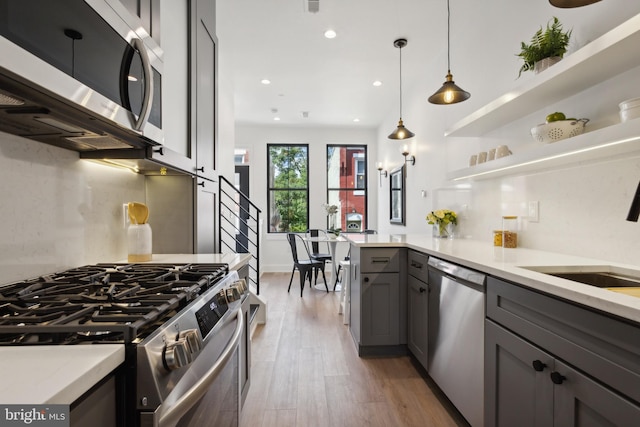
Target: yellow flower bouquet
[443,220]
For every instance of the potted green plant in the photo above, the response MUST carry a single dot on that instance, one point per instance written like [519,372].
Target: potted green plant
[546,43]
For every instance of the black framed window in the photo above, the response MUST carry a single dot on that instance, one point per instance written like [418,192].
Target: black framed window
[288,187]
[347,185]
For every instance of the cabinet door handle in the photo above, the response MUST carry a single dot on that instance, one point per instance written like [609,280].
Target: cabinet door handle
[201,169]
[379,260]
[366,280]
[422,290]
[557,377]
[201,184]
[159,151]
[416,264]
[538,365]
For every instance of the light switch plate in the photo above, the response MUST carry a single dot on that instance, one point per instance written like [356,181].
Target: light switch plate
[534,211]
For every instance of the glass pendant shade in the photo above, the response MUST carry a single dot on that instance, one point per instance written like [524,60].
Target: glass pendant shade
[401,132]
[449,93]
[567,4]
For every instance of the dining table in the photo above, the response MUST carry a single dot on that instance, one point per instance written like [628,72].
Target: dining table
[333,241]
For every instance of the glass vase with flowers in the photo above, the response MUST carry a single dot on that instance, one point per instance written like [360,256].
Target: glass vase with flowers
[443,221]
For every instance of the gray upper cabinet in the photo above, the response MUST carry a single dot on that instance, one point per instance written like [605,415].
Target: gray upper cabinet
[189,86]
[176,85]
[205,90]
[549,362]
[149,13]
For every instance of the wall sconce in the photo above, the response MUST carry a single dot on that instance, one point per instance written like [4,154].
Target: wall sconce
[407,157]
[381,172]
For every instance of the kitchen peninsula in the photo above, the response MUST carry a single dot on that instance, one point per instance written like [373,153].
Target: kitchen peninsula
[502,337]
[510,264]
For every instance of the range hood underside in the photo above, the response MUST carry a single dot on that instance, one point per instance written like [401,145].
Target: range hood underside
[39,115]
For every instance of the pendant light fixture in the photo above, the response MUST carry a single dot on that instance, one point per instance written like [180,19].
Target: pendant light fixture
[401,132]
[449,93]
[567,4]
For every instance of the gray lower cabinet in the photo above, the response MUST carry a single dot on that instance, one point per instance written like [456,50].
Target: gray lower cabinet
[378,300]
[205,217]
[549,362]
[418,306]
[516,394]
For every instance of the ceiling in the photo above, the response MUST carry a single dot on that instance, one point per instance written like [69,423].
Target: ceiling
[330,79]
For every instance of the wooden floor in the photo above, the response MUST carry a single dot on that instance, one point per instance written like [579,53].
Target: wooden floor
[306,372]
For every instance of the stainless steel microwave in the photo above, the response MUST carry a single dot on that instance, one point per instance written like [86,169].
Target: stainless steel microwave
[81,74]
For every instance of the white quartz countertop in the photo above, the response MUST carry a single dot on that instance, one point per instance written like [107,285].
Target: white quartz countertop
[510,264]
[57,374]
[235,261]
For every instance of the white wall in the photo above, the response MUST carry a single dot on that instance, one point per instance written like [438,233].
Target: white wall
[58,211]
[274,252]
[582,206]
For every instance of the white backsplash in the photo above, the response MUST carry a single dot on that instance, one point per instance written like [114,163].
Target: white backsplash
[59,211]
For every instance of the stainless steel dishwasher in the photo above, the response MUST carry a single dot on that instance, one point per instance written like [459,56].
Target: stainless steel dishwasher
[455,359]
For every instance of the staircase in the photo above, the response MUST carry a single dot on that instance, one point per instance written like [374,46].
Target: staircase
[239,227]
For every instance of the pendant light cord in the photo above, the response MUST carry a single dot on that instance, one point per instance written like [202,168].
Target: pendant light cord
[400,82]
[448,38]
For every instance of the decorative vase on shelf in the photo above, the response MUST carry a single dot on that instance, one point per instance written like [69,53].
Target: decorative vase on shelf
[545,63]
[443,231]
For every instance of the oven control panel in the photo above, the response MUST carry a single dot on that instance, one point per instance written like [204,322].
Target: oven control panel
[211,312]
[187,344]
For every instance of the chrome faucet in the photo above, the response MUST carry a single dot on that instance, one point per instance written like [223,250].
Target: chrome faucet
[634,210]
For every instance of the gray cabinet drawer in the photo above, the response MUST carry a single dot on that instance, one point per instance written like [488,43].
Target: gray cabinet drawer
[383,260]
[604,347]
[417,265]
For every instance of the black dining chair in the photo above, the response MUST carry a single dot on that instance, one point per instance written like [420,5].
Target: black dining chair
[306,267]
[315,249]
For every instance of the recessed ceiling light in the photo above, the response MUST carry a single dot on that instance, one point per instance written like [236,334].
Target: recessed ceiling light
[377,83]
[265,81]
[356,120]
[330,34]
[277,119]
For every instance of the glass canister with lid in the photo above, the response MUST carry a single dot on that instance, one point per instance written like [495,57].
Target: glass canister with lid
[509,231]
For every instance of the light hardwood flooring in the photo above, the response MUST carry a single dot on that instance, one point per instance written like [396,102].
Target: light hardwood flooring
[306,371]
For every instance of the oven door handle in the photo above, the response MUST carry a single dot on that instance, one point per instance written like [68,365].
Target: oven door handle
[172,415]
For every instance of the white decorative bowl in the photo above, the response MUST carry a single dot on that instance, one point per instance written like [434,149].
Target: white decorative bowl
[555,131]
[629,109]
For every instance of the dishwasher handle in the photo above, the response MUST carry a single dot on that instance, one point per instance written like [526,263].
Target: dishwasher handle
[458,272]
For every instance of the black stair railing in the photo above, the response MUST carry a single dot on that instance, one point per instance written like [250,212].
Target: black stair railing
[239,227]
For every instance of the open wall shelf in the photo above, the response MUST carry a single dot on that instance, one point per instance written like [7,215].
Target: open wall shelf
[609,55]
[623,138]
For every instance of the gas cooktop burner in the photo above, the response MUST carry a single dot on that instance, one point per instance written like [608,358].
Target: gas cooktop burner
[102,302]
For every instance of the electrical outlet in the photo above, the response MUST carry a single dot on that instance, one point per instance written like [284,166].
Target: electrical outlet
[125,214]
[534,211]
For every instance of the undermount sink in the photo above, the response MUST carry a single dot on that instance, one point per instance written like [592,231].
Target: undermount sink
[598,276]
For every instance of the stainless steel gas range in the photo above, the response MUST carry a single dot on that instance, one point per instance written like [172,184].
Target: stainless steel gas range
[182,327]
